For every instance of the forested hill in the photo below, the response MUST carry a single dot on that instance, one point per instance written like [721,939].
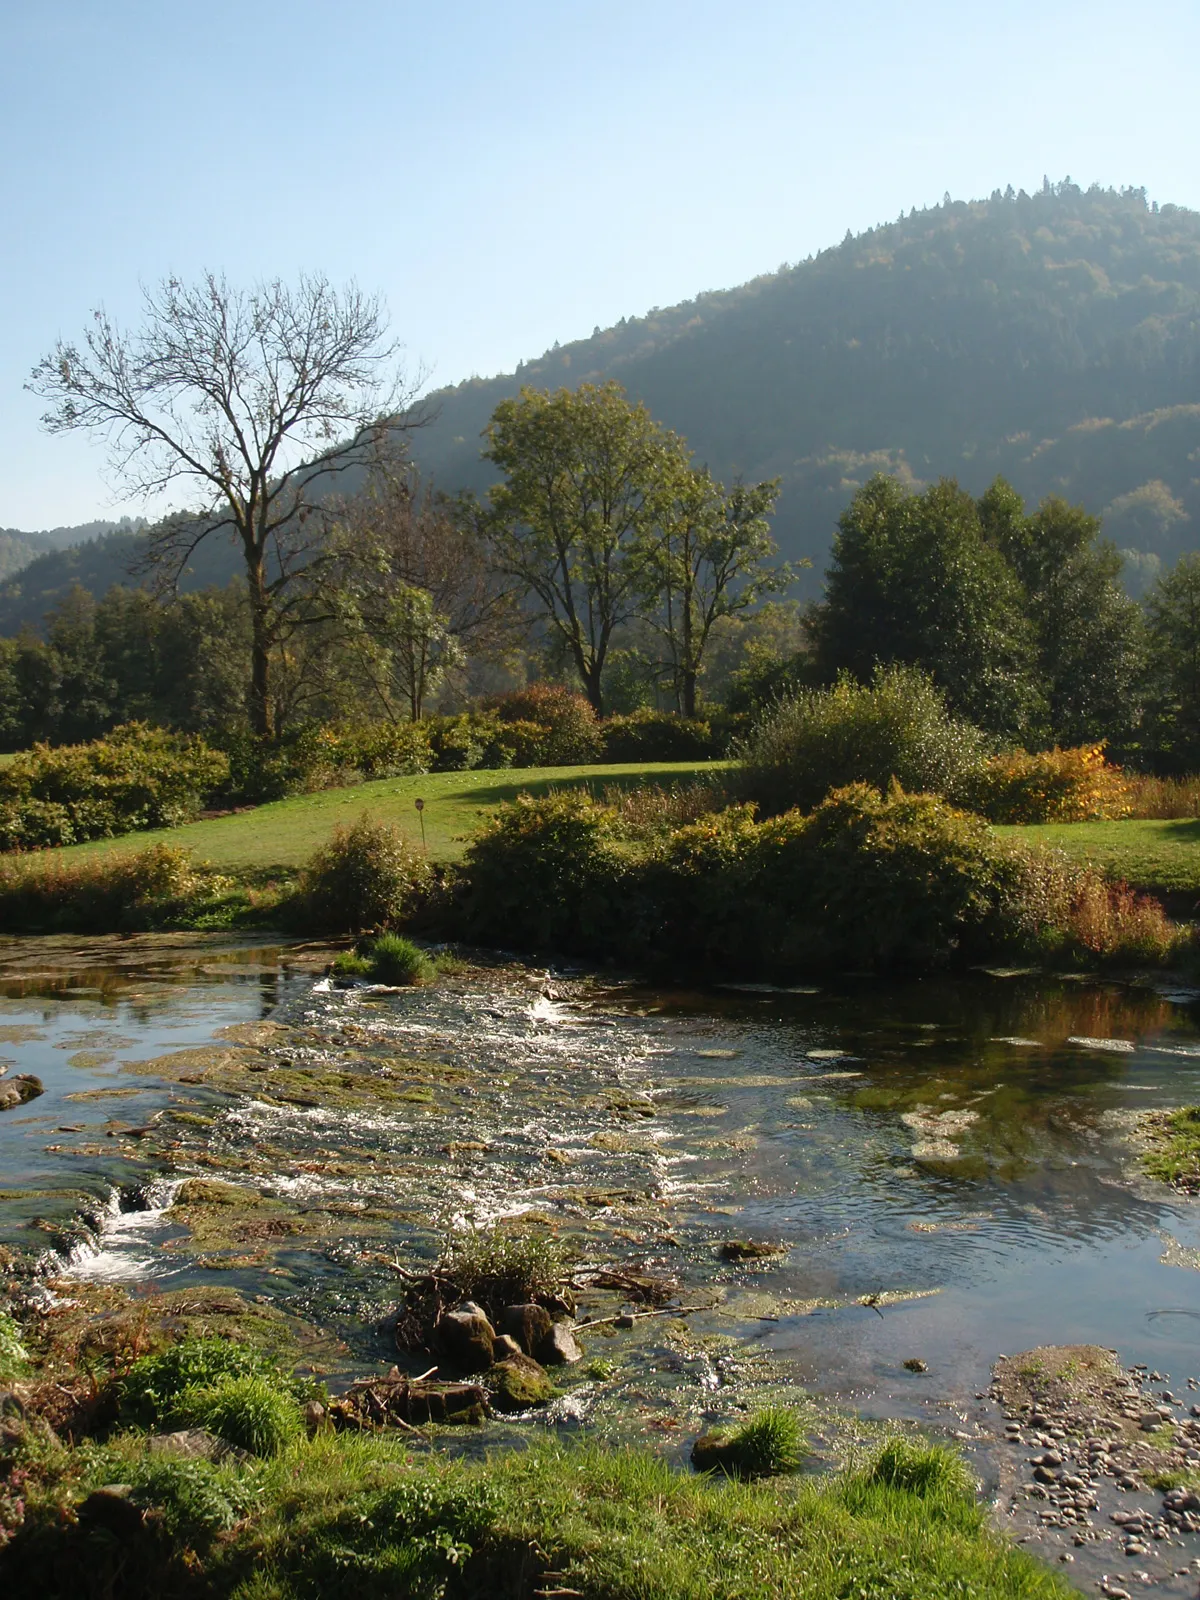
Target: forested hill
[1053,337]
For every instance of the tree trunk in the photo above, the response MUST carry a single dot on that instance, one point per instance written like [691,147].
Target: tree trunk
[689,692]
[261,720]
[591,685]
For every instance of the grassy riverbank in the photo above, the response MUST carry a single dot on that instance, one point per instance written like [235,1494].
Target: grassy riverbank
[1158,857]
[282,835]
[361,1517]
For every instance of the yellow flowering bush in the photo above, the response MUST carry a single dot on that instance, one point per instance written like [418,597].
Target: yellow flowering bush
[1076,785]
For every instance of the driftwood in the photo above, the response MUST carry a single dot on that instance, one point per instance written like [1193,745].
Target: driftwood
[395,1401]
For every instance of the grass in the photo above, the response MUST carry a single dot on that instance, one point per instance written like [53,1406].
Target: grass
[353,1518]
[281,836]
[1160,857]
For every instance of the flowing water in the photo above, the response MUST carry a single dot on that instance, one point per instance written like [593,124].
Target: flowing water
[947,1166]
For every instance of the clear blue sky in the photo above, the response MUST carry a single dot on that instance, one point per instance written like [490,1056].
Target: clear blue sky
[508,174]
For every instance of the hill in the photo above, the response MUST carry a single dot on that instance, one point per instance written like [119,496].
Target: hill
[1053,337]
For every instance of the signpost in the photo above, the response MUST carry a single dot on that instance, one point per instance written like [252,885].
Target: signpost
[420,804]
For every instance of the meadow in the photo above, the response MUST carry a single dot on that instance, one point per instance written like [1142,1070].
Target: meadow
[280,836]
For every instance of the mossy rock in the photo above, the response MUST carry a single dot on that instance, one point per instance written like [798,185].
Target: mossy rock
[518,1383]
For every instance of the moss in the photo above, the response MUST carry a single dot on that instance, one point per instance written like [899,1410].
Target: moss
[1173,1154]
[518,1384]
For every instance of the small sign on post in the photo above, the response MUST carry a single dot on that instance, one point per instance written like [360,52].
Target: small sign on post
[420,805]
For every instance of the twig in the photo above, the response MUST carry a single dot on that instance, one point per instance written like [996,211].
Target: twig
[638,1316]
[423,1376]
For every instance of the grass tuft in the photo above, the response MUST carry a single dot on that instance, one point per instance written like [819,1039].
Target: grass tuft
[250,1413]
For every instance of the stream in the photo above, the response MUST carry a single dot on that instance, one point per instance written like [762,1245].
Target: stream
[946,1167]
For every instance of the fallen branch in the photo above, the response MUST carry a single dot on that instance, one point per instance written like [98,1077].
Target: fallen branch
[639,1316]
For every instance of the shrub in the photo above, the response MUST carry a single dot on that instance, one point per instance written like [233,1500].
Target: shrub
[927,1471]
[545,873]
[149,1392]
[106,894]
[249,1412]
[1075,785]
[394,959]
[769,1445]
[13,1358]
[897,730]
[136,777]
[1165,798]
[657,736]
[647,810]
[191,1501]
[573,734]
[500,1266]
[350,964]
[367,876]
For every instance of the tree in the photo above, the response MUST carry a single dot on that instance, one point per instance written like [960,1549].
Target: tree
[1088,629]
[259,401]
[708,562]
[418,596]
[1173,665]
[588,480]
[914,581]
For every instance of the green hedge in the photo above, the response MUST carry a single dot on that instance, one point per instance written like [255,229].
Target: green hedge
[135,777]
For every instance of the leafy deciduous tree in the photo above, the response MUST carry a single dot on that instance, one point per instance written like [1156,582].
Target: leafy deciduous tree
[588,479]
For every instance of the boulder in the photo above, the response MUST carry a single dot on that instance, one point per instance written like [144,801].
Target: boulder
[561,1348]
[467,1338]
[530,1325]
[112,1507]
[16,1091]
[714,1452]
[505,1346]
[188,1444]
[519,1383]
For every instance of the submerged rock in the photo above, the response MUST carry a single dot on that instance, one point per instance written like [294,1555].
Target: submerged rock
[518,1383]
[467,1338]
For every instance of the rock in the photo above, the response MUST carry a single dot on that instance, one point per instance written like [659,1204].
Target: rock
[505,1346]
[712,1452]
[315,1418]
[562,1348]
[11,1404]
[915,1364]
[112,1507]
[519,1383]
[530,1325]
[189,1444]
[16,1091]
[750,1249]
[467,1338]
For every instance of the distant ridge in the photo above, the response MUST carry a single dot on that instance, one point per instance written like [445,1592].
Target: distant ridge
[1052,337]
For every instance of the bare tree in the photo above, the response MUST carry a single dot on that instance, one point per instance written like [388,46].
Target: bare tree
[260,401]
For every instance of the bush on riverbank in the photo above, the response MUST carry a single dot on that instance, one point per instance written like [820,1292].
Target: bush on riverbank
[137,777]
[367,877]
[893,881]
[158,887]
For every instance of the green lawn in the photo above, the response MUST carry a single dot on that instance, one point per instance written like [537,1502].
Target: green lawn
[285,833]
[1160,857]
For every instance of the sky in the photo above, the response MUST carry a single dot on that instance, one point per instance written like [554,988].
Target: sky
[506,175]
